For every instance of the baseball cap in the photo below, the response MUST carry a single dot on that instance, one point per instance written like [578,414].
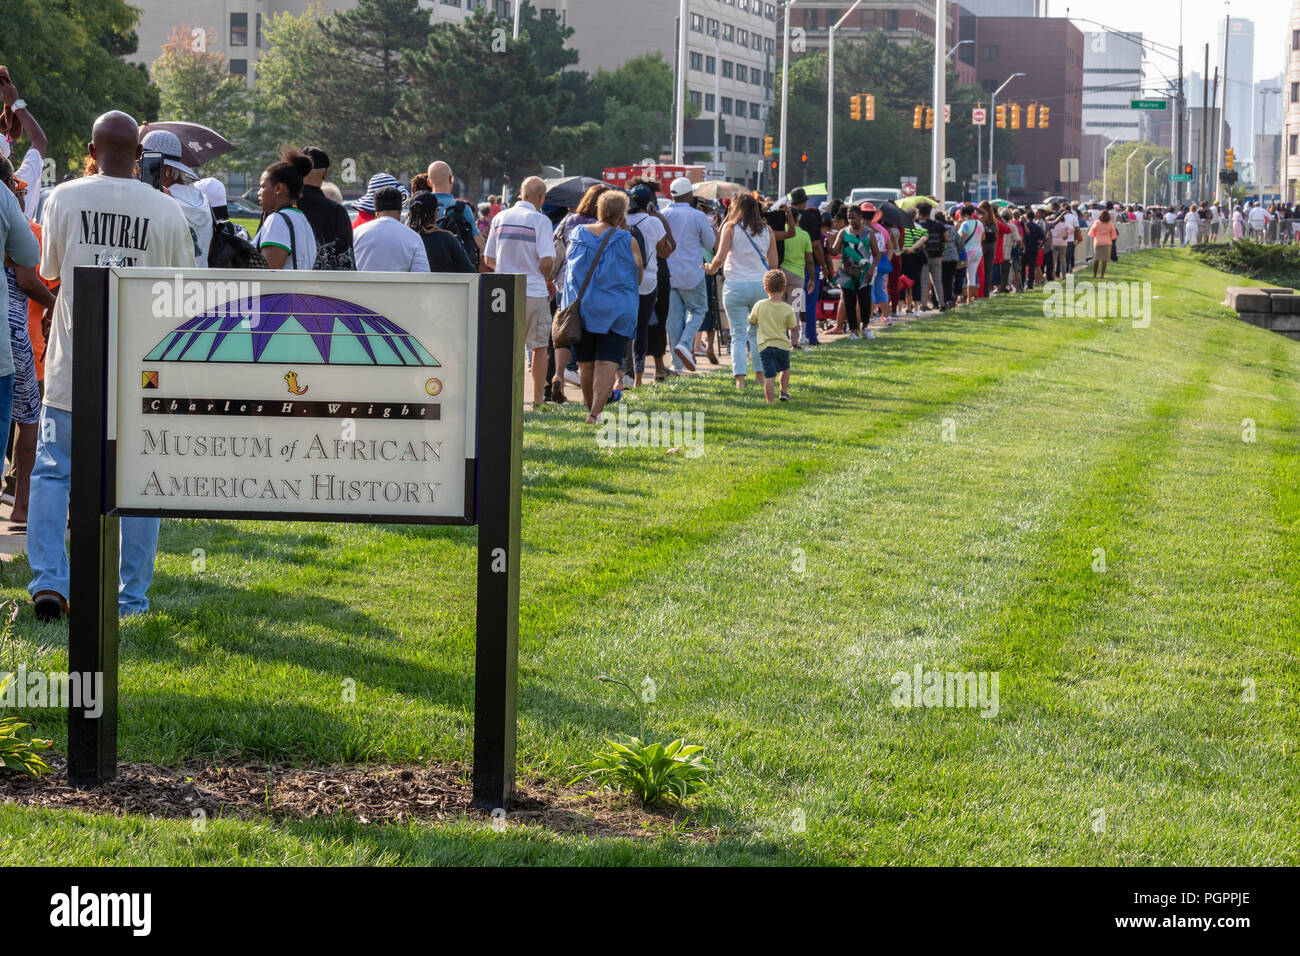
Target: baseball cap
[319,158]
[213,191]
[641,196]
[681,187]
[388,199]
[169,145]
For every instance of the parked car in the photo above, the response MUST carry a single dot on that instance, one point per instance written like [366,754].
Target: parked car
[875,194]
[243,209]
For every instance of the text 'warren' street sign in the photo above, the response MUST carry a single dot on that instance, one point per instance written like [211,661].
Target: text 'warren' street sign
[1148,104]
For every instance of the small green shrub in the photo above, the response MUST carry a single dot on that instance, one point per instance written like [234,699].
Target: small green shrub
[655,772]
[1255,260]
[17,754]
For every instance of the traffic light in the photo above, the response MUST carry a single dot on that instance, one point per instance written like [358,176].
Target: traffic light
[1229,158]
[929,118]
[1015,116]
[1029,115]
[855,107]
[918,116]
[1044,114]
[1187,169]
[767,146]
[868,106]
[1002,116]
[803,159]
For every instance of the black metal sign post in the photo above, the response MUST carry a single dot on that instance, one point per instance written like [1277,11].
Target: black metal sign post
[493,483]
[92,615]
[500,475]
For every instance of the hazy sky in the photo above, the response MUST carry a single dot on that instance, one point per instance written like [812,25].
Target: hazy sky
[1158,20]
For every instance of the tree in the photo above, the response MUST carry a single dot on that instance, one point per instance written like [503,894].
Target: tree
[493,115]
[1142,154]
[632,110]
[193,85]
[369,42]
[66,57]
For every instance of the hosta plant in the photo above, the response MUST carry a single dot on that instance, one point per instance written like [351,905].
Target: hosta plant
[656,772]
[17,754]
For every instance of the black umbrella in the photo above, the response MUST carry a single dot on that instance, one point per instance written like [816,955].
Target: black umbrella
[568,190]
[891,215]
[198,143]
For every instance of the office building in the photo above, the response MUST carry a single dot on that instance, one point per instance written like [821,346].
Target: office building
[1238,93]
[1112,79]
[1291,118]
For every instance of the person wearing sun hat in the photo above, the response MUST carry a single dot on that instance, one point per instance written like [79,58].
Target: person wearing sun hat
[366,205]
[177,180]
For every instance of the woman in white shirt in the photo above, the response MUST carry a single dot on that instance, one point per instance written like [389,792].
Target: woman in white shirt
[285,238]
[746,251]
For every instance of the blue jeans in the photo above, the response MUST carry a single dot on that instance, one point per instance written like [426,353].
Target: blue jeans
[686,311]
[738,298]
[6,401]
[810,317]
[47,523]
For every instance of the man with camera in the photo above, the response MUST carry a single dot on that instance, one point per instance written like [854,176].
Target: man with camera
[109,219]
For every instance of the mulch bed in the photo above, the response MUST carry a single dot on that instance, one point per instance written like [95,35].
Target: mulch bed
[367,795]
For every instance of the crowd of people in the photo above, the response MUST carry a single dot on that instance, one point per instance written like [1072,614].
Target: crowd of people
[659,283]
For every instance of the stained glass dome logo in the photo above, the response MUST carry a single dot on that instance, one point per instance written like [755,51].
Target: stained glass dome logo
[292,329]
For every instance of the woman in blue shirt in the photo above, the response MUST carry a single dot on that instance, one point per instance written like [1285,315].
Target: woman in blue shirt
[609,305]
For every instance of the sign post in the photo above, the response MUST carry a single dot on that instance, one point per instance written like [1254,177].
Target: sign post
[306,396]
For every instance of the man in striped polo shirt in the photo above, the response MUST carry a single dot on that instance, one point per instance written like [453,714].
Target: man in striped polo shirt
[520,242]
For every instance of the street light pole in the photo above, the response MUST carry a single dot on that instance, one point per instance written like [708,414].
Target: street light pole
[679,134]
[937,141]
[1105,169]
[1132,153]
[830,102]
[785,100]
[1154,159]
[993,123]
[1156,173]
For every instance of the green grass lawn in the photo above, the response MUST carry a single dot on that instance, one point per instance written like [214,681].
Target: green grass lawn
[772,586]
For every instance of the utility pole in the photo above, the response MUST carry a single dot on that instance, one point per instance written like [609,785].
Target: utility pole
[1215,146]
[1205,123]
[1227,33]
[679,134]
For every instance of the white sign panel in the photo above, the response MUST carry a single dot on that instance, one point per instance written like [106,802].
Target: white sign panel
[299,394]
[1069,170]
[979,116]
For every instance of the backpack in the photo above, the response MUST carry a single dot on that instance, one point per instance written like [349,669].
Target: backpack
[934,238]
[454,221]
[232,251]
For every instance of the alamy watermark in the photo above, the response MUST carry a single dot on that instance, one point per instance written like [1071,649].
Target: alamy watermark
[59,689]
[1098,300]
[624,429]
[923,688]
[191,297]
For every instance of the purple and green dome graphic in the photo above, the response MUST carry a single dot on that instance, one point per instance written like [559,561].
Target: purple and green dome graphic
[291,329]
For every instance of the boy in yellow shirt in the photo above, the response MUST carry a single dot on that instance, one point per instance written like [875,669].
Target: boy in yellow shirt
[774,318]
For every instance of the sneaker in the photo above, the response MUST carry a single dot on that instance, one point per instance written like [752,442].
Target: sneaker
[50,605]
[572,378]
[785,396]
[684,353]
[7,498]
[853,336]
[628,381]
[870,334]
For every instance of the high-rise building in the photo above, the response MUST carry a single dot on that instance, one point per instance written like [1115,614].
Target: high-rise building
[1269,106]
[237,25]
[731,54]
[1291,119]
[1238,91]
[1004,8]
[1049,51]
[1112,79]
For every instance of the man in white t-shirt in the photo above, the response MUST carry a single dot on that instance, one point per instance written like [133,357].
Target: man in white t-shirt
[644,216]
[29,170]
[520,242]
[1258,220]
[110,218]
[385,243]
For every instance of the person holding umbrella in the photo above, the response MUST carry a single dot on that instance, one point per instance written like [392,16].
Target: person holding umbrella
[175,179]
